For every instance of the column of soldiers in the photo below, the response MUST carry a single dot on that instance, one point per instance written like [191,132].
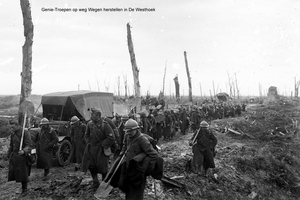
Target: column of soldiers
[218,110]
[94,142]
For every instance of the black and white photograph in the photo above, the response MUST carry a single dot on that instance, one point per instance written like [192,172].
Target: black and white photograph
[154,100]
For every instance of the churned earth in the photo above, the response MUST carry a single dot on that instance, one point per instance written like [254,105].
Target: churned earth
[258,157]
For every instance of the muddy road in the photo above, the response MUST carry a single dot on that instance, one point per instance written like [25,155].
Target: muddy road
[258,157]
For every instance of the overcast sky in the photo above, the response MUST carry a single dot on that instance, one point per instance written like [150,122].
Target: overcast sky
[258,41]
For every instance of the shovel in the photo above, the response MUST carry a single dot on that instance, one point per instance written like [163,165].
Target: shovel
[105,187]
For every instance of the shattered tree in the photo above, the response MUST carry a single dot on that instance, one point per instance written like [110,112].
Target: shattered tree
[26,74]
[135,70]
[297,83]
[164,79]
[189,77]
[176,82]
[125,85]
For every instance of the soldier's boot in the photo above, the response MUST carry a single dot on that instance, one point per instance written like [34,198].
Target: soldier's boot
[96,182]
[46,172]
[24,187]
[205,172]
[77,166]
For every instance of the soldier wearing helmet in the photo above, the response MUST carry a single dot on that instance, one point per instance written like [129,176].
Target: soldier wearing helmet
[137,148]
[99,139]
[46,139]
[194,118]
[121,132]
[204,143]
[78,141]
[19,169]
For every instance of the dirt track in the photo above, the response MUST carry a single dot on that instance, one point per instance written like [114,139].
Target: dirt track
[259,163]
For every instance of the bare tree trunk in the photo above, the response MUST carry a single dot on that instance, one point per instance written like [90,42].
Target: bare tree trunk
[229,83]
[125,84]
[200,89]
[90,84]
[177,88]
[119,86]
[98,85]
[135,70]
[163,91]
[233,88]
[260,90]
[189,77]
[297,83]
[211,96]
[214,88]
[237,88]
[26,75]
[106,85]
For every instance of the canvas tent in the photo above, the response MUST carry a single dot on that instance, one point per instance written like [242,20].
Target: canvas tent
[63,105]
[223,96]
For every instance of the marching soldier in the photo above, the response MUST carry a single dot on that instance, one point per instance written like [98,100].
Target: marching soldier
[19,169]
[99,139]
[136,147]
[46,140]
[78,142]
[204,143]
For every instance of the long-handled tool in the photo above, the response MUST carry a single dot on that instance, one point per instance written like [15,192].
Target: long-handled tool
[26,107]
[195,138]
[105,187]
[24,123]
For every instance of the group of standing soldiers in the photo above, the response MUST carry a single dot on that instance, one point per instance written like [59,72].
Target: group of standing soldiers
[93,144]
[163,124]
[211,111]
[19,153]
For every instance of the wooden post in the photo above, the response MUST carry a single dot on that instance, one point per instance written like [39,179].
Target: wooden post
[189,77]
[135,70]
[26,74]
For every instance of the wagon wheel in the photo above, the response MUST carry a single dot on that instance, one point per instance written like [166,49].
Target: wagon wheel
[64,153]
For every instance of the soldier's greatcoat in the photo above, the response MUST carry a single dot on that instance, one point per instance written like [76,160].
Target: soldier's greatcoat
[79,144]
[18,169]
[203,149]
[100,137]
[46,139]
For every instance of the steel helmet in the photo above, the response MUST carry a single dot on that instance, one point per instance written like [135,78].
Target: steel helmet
[44,121]
[131,125]
[124,117]
[159,107]
[74,119]
[204,124]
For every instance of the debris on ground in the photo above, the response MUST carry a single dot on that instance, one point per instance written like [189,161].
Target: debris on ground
[258,157]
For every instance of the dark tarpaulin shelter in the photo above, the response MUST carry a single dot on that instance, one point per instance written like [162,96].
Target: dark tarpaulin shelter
[76,103]
[223,96]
